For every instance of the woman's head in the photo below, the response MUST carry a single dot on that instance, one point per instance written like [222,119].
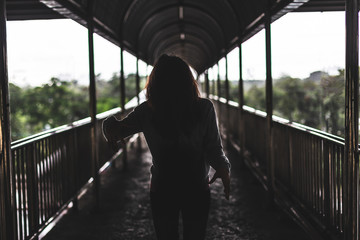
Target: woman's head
[171,83]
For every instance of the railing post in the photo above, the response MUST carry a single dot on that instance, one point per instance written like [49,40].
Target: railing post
[122,80]
[227,93]
[351,205]
[269,106]
[227,96]
[122,97]
[139,147]
[137,81]
[32,190]
[213,83]
[327,199]
[241,102]
[207,86]
[75,159]
[218,82]
[92,92]
[7,197]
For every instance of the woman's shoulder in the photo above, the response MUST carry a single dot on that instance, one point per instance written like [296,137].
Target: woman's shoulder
[143,106]
[205,103]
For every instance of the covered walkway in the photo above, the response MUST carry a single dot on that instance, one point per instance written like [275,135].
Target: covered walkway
[125,211]
[311,175]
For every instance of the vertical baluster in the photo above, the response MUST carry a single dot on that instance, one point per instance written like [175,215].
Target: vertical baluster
[321,177]
[312,171]
[327,184]
[308,172]
[19,194]
[316,172]
[52,175]
[317,176]
[298,162]
[39,176]
[333,184]
[64,163]
[15,191]
[338,179]
[32,190]
[23,189]
[57,163]
[47,174]
[44,181]
[318,165]
[343,179]
[304,167]
[296,157]
[75,159]
[336,158]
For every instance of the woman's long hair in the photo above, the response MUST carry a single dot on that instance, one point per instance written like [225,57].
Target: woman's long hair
[172,92]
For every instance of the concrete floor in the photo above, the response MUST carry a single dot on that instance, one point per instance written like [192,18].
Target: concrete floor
[125,209]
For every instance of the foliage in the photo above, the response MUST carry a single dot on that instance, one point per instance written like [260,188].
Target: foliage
[35,109]
[317,103]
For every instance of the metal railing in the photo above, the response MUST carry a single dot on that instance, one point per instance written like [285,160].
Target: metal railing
[309,165]
[50,169]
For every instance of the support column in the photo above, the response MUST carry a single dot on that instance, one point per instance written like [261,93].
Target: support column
[269,102]
[137,81]
[7,199]
[351,161]
[122,79]
[92,92]
[213,82]
[122,98]
[227,96]
[241,102]
[218,82]
[227,93]
[207,86]
[139,147]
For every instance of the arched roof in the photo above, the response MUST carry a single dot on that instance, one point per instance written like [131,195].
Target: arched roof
[199,31]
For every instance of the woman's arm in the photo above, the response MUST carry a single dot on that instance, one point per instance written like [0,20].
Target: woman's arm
[115,130]
[215,153]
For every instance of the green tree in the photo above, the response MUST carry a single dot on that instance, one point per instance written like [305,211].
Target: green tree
[255,97]
[287,96]
[333,99]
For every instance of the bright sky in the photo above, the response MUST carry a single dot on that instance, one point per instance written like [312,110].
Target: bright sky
[301,43]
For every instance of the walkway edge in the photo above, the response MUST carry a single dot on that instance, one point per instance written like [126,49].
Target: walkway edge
[310,226]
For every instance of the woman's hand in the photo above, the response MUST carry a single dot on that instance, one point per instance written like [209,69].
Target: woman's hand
[224,174]
[108,131]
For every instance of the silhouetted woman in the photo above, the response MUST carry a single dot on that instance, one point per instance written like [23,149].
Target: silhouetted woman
[182,134]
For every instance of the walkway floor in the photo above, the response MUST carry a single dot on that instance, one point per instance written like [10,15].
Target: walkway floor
[125,212]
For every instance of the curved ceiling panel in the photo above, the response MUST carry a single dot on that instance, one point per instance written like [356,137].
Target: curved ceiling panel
[183,49]
[164,44]
[220,11]
[213,36]
[188,53]
[192,32]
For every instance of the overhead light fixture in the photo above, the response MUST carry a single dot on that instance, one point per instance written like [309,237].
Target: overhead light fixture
[181,12]
[182,36]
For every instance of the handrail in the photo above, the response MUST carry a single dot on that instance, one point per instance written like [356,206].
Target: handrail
[281,120]
[66,127]
[308,177]
[51,167]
